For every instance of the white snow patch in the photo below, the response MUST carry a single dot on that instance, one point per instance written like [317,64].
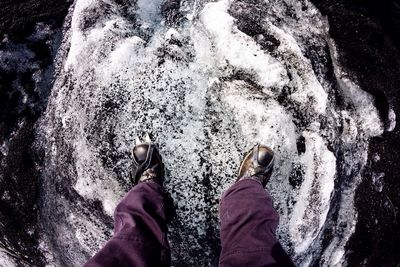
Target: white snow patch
[392,120]
[77,38]
[236,48]
[315,192]
[338,258]
[93,181]
[149,12]
[6,260]
[308,93]
[368,116]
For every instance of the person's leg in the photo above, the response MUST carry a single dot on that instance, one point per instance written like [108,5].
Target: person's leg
[140,219]
[248,219]
[248,225]
[140,230]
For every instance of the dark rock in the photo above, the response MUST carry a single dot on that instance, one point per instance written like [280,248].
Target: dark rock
[23,96]
[301,145]
[369,48]
[95,14]
[296,176]
[250,16]
[170,11]
[18,17]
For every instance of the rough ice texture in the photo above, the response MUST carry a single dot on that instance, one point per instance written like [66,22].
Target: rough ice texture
[208,89]
[6,260]
[392,120]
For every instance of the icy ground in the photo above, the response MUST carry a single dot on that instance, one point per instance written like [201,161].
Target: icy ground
[209,80]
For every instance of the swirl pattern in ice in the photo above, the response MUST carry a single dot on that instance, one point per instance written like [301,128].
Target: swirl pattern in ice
[209,80]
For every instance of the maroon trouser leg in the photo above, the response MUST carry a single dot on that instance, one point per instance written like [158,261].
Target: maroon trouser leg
[248,225]
[140,231]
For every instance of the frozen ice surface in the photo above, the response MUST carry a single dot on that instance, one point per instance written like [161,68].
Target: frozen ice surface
[317,186]
[6,260]
[208,91]
[149,12]
[238,49]
[392,120]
